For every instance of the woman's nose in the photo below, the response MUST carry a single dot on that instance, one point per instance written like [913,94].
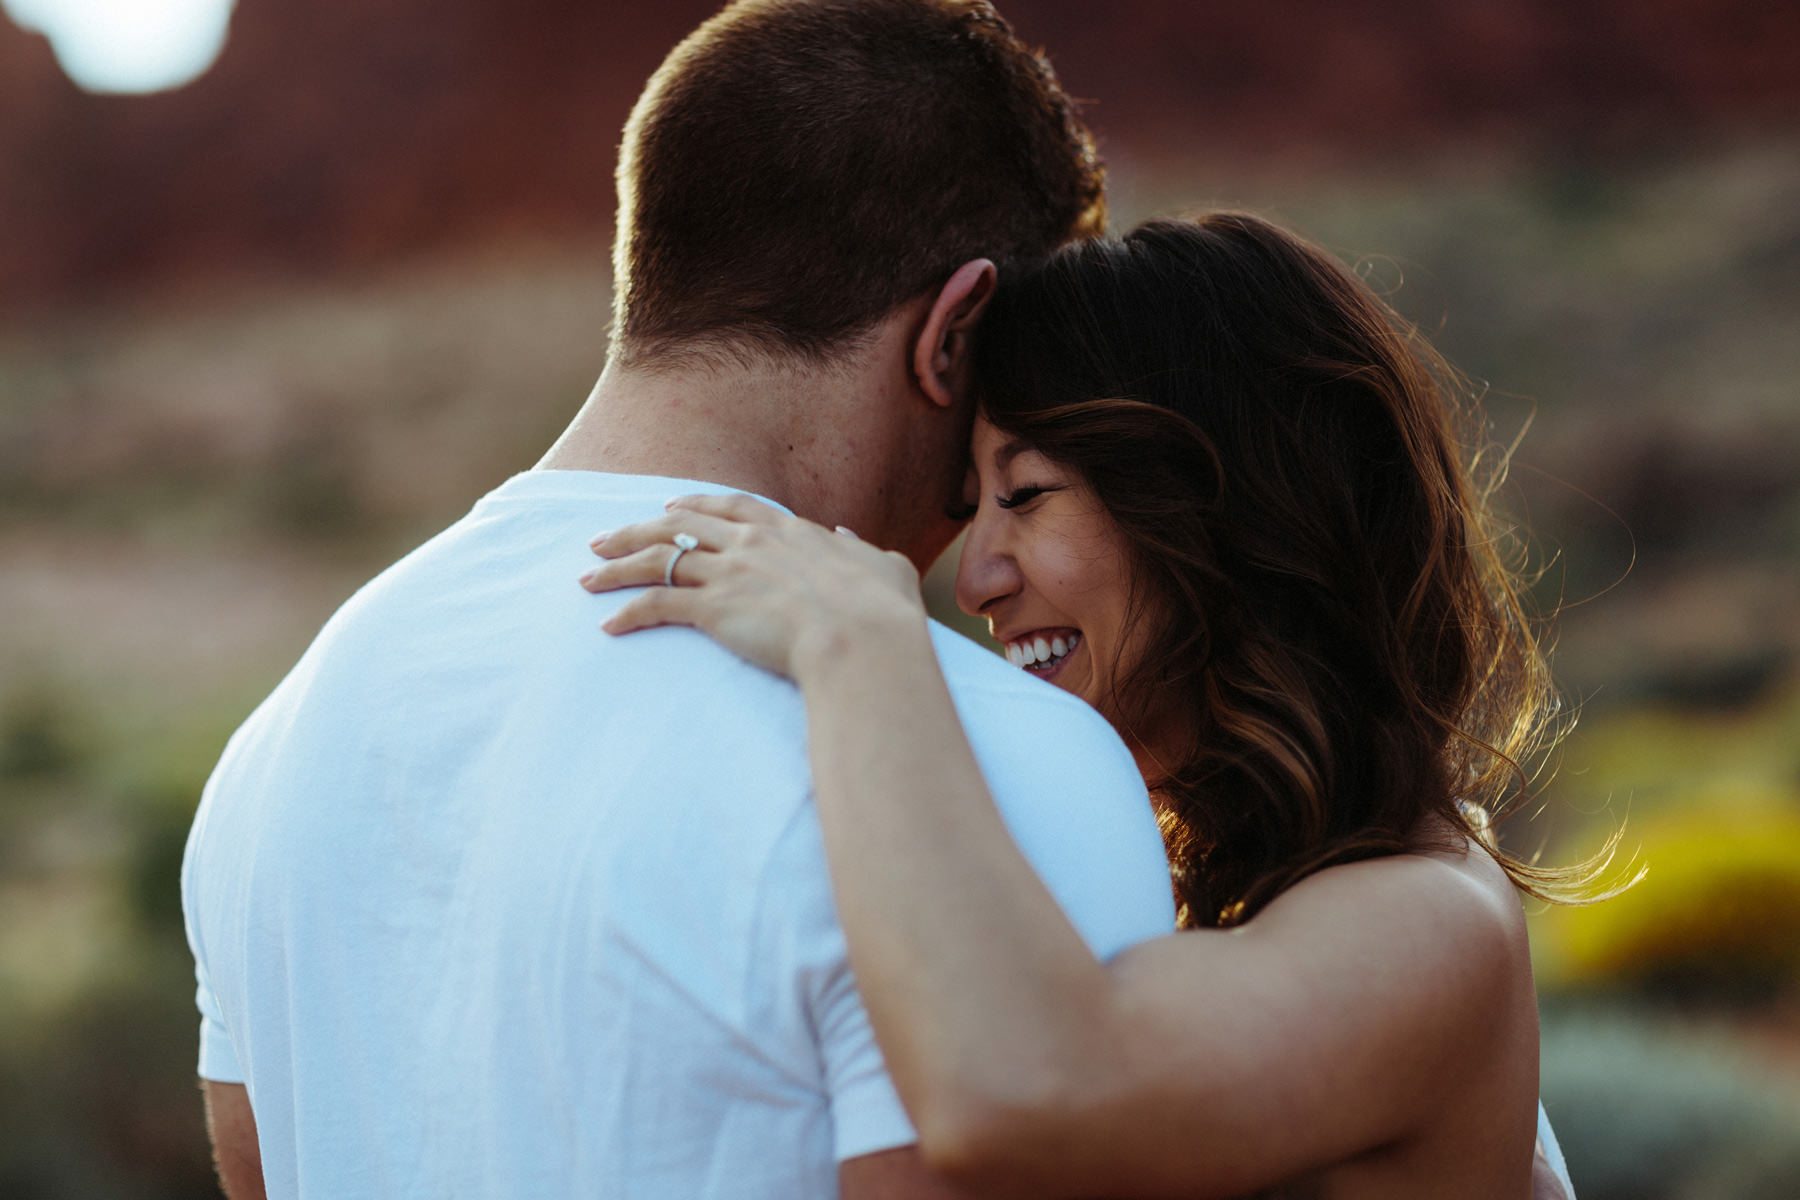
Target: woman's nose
[985,573]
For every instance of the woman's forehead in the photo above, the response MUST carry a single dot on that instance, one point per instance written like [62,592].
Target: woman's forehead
[993,447]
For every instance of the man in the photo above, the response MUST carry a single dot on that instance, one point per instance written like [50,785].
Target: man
[486,904]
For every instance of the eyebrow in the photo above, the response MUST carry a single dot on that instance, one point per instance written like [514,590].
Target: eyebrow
[1008,451]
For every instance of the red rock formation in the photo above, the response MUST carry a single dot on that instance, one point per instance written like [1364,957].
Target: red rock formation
[340,132]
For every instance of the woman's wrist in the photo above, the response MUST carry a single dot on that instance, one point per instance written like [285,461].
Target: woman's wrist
[853,649]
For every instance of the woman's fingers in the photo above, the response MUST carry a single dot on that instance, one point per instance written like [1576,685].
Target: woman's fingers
[711,532]
[655,606]
[763,584]
[713,519]
[650,565]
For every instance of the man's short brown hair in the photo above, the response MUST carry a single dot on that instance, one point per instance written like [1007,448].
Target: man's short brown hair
[796,169]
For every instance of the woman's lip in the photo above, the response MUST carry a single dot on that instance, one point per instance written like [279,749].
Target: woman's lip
[1050,675]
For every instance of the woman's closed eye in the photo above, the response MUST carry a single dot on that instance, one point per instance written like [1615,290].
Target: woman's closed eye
[1022,496]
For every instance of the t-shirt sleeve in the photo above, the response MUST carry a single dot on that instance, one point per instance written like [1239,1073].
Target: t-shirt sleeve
[866,1113]
[803,940]
[218,1061]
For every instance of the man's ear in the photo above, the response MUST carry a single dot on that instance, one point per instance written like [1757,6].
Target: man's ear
[942,350]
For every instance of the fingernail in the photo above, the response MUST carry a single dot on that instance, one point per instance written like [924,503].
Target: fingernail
[588,579]
[594,542]
[671,502]
[847,531]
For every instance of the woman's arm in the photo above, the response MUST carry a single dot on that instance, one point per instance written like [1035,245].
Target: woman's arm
[1200,1064]
[1203,1063]
[927,890]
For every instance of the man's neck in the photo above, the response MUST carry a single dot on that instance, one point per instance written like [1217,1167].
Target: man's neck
[777,433]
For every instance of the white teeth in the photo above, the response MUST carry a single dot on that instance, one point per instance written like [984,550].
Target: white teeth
[1039,651]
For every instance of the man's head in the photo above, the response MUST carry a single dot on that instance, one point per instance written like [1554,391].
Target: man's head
[798,169]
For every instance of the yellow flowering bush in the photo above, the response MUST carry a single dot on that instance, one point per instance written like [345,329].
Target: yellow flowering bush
[1720,898]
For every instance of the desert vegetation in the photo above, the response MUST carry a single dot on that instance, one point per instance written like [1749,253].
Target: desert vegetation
[224,407]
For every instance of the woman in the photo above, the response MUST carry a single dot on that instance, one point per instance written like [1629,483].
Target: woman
[1216,492]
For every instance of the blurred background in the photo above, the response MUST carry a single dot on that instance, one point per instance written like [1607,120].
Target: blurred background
[284,288]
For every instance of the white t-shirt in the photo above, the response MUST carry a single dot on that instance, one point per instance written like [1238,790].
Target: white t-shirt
[486,903]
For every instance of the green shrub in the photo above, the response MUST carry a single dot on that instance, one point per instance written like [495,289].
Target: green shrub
[1649,1112]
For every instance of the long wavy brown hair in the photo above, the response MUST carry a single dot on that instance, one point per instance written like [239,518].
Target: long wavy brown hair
[1332,606]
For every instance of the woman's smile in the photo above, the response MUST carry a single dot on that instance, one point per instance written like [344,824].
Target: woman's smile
[1043,652]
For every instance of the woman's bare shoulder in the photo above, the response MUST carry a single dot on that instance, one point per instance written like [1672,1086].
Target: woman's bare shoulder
[1404,981]
[1447,912]
[1436,935]
[1451,874]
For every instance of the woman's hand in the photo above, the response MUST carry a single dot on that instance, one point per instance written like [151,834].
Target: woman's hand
[776,590]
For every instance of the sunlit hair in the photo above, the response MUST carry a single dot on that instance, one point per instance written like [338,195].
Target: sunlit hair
[796,169]
[1333,612]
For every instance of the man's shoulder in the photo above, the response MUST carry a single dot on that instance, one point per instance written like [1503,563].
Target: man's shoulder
[1034,740]
[1069,792]
[989,691]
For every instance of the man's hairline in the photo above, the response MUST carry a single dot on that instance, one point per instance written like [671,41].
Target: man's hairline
[754,345]
[733,349]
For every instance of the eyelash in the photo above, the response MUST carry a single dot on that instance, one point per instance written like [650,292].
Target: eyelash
[1021,496]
